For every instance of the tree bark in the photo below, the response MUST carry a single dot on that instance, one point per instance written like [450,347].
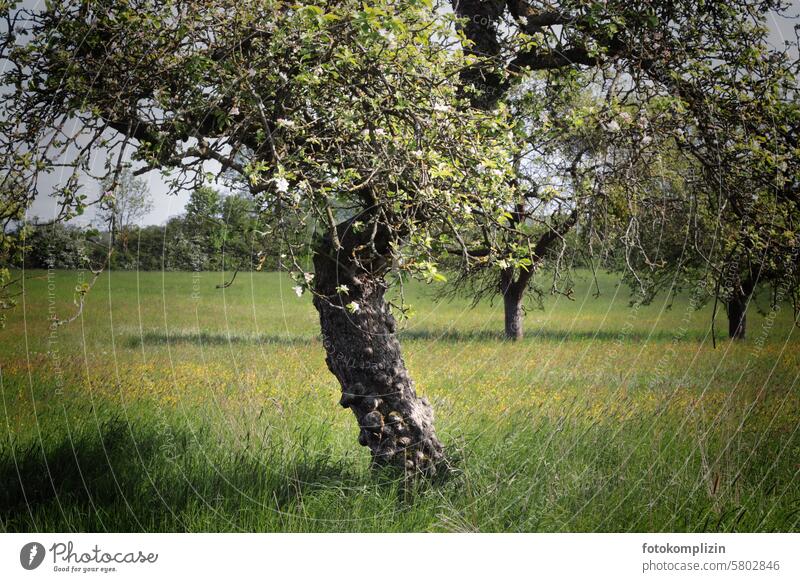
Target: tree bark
[364,355]
[514,283]
[513,295]
[737,310]
[737,318]
[512,302]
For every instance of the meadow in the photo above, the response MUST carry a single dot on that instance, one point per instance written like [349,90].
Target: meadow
[171,405]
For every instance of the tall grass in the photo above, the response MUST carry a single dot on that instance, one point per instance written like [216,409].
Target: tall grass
[174,406]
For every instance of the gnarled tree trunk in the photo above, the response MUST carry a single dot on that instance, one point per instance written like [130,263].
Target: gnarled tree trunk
[364,355]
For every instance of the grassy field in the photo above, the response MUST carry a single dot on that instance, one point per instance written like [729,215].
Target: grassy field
[174,406]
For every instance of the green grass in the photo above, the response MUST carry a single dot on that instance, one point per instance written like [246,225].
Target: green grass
[174,406]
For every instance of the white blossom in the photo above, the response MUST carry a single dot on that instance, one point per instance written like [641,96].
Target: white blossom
[376,132]
[353,307]
[298,290]
[388,35]
[288,123]
[282,185]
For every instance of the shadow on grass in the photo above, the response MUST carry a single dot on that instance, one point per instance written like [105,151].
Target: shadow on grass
[535,335]
[210,339]
[128,477]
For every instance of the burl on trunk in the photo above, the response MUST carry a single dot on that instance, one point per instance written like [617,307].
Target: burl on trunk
[364,355]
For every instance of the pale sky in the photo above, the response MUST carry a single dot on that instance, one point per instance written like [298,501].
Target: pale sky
[166,204]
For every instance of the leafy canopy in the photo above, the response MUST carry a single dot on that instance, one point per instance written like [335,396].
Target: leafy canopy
[329,111]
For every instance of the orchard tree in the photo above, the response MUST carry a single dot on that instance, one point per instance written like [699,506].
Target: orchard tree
[125,204]
[326,109]
[691,234]
[560,170]
[698,78]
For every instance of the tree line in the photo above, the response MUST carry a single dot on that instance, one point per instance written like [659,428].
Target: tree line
[215,233]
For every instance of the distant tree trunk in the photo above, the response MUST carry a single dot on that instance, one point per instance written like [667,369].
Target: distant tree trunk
[737,317]
[364,355]
[514,320]
[737,310]
[513,295]
[514,282]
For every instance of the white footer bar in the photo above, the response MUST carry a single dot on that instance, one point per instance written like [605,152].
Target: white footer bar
[400,557]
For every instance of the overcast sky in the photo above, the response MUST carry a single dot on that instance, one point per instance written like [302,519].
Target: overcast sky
[166,204]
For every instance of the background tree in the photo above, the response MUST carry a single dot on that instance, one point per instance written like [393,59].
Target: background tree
[202,227]
[126,201]
[557,173]
[703,77]
[240,236]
